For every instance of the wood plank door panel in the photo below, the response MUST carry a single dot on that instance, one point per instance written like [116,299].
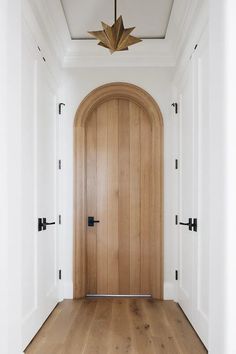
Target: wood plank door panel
[118,181]
[91,195]
[113,196]
[135,199]
[124,197]
[118,194]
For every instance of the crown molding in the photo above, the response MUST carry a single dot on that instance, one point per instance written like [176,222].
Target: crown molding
[196,18]
[150,52]
[86,53]
[182,15]
[47,22]
[198,28]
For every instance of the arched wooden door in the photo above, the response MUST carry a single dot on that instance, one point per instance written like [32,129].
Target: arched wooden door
[118,183]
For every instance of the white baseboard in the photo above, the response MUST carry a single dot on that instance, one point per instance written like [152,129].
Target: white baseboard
[68,290]
[169,291]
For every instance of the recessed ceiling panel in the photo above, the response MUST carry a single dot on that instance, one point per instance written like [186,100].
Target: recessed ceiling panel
[150,17]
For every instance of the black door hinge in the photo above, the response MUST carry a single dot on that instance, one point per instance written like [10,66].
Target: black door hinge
[176,275]
[60,107]
[59,164]
[59,219]
[176,220]
[59,274]
[176,164]
[175,105]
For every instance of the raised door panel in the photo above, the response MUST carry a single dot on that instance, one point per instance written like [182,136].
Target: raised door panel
[194,190]
[29,193]
[186,239]
[39,249]
[46,190]
[202,182]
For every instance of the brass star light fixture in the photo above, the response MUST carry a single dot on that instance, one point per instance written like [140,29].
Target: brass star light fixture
[115,37]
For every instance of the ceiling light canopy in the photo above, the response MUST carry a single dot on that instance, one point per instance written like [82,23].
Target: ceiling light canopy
[115,37]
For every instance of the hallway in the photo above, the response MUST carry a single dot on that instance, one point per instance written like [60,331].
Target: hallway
[116,326]
[118,169]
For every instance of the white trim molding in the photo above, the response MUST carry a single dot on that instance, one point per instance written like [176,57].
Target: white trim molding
[149,53]
[67,290]
[169,291]
[85,53]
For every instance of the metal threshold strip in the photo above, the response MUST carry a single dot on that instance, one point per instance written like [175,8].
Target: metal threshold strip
[115,295]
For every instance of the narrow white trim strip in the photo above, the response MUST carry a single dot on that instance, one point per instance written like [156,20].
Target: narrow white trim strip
[105,295]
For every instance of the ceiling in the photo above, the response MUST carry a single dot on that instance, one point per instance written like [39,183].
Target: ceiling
[151,17]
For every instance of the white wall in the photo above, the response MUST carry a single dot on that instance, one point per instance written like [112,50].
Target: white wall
[3,180]
[223,177]
[10,177]
[76,84]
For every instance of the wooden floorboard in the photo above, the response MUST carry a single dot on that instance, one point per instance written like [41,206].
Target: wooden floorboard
[108,326]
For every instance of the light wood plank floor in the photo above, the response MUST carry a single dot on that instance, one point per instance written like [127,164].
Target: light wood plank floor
[103,326]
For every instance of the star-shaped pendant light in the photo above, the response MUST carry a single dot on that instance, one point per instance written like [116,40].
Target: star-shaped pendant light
[115,37]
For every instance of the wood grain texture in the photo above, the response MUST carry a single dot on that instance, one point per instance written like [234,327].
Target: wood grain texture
[102,207]
[79,244]
[120,340]
[135,199]
[140,326]
[116,326]
[126,257]
[98,339]
[113,197]
[91,198]
[124,198]
[119,192]
[146,195]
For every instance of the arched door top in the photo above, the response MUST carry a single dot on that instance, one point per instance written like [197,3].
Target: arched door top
[92,102]
[118,90]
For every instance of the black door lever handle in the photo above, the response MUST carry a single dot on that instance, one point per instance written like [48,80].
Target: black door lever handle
[42,224]
[189,224]
[91,221]
[192,224]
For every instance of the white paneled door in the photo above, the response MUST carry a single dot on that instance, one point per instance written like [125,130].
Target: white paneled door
[39,278]
[186,237]
[46,186]
[193,282]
